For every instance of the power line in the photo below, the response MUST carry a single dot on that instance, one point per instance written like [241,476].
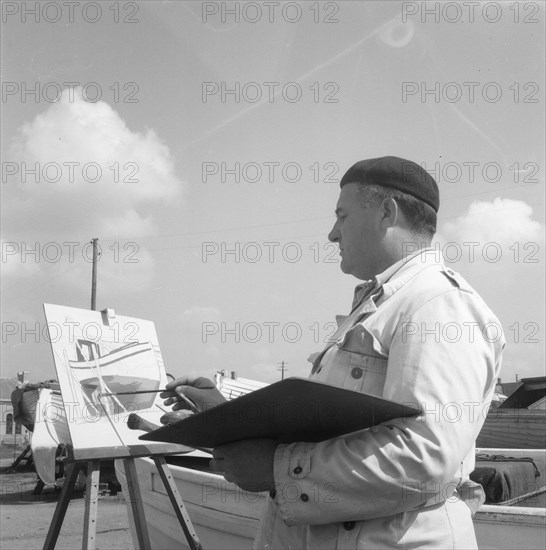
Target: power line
[190,233]
[321,218]
[33,289]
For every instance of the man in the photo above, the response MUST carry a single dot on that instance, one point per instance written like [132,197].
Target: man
[418,334]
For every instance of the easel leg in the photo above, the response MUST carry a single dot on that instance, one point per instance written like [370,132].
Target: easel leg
[20,458]
[137,507]
[91,505]
[178,503]
[62,505]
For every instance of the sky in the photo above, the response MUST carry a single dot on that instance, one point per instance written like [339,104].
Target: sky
[202,143]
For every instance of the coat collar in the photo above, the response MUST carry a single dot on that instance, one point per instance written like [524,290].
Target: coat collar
[397,275]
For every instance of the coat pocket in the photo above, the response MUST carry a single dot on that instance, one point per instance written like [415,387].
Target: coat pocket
[367,373]
[353,363]
[367,366]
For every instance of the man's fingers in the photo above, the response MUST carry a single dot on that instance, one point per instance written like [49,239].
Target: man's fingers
[182,381]
[196,395]
[172,417]
[181,405]
[173,396]
[199,382]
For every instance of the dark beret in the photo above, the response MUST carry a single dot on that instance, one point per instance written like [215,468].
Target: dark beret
[396,173]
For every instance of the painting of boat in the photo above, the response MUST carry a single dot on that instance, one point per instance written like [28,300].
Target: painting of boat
[102,360]
[519,421]
[130,368]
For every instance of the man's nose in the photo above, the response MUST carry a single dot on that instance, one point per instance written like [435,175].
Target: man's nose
[333,236]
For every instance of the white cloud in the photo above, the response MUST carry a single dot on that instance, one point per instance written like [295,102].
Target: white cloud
[90,165]
[491,232]
[502,221]
[129,225]
[72,144]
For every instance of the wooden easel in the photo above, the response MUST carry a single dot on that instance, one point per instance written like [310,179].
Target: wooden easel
[135,499]
[90,457]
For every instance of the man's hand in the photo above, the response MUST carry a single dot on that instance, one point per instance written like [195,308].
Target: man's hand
[248,463]
[201,393]
[174,416]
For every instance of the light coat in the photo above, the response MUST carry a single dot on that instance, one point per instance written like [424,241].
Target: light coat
[420,335]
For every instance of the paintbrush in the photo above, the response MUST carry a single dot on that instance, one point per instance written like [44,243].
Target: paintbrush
[131,392]
[191,404]
[136,422]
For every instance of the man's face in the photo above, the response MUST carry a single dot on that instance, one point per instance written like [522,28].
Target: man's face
[358,232]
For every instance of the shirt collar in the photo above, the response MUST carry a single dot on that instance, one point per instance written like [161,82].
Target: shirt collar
[398,273]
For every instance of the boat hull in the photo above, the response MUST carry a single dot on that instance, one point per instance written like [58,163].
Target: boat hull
[223,516]
[29,401]
[509,527]
[50,431]
[227,518]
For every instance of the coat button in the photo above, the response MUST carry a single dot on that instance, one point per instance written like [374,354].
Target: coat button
[298,470]
[349,525]
[304,497]
[356,373]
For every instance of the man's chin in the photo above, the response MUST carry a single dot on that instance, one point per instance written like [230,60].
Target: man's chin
[348,270]
[344,267]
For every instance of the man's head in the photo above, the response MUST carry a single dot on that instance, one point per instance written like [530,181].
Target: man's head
[385,205]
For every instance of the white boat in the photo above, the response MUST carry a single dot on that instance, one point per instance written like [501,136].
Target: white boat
[49,435]
[518,522]
[226,517]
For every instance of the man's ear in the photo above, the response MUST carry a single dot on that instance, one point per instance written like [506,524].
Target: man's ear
[390,212]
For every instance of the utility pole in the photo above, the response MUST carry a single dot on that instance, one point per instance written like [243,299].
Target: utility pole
[94,276]
[282,368]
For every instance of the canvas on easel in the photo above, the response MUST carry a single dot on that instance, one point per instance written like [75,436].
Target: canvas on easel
[108,367]
[100,359]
